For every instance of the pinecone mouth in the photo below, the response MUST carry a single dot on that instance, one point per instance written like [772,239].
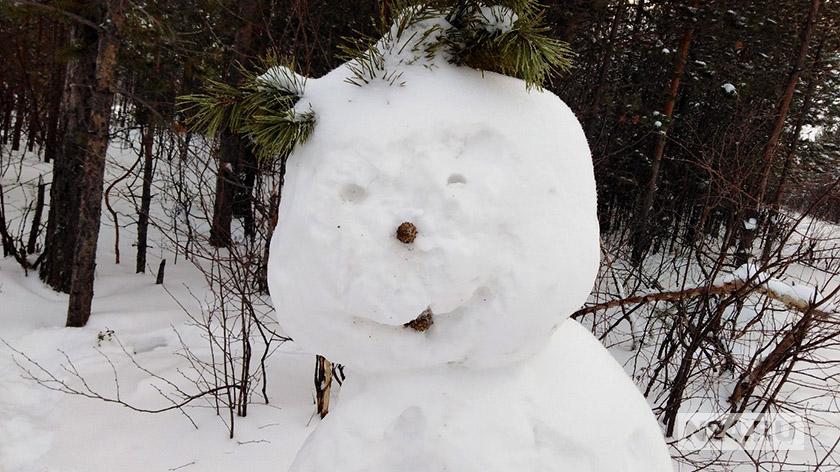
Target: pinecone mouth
[423,322]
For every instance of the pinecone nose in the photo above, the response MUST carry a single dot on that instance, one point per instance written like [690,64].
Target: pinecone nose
[406,232]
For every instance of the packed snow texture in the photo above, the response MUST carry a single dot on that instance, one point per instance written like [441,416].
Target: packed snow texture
[499,184]
[571,408]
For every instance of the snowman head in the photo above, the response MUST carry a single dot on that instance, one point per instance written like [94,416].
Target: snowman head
[435,214]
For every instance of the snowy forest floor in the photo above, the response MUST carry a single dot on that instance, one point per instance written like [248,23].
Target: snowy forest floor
[43,430]
[143,328]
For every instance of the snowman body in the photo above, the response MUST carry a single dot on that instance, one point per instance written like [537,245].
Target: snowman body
[497,181]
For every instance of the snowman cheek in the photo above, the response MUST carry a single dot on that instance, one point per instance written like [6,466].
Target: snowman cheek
[353,193]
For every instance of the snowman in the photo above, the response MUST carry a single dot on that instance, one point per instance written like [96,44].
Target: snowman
[437,227]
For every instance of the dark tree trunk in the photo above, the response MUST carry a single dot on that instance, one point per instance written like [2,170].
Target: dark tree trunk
[148,138]
[90,208]
[32,243]
[5,238]
[51,139]
[774,229]
[20,115]
[642,236]
[7,123]
[233,149]
[783,109]
[243,206]
[598,95]
[73,126]
[229,146]
[747,236]
[161,273]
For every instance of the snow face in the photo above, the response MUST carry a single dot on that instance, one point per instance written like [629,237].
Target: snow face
[434,232]
[571,408]
[498,182]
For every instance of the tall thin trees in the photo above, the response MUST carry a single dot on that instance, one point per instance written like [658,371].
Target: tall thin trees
[643,226]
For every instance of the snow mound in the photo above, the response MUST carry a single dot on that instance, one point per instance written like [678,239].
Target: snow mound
[496,179]
[436,228]
[572,408]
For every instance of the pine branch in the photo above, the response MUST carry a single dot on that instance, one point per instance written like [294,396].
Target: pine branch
[276,134]
[507,36]
[261,108]
[520,48]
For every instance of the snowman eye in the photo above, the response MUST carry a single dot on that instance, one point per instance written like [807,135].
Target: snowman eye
[352,193]
[456,179]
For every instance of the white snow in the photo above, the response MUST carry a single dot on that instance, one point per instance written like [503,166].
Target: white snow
[498,19]
[494,251]
[798,294]
[811,132]
[801,293]
[571,408]
[728,88]
[283,78]
[750,224]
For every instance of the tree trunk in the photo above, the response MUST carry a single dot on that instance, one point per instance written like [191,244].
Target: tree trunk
[147,143]
[232,147]
[747,236]
[74,122]
[90,208]
[20,115]
[7,123]
[31,244]
[229,148]
[774,224]
[595,104]
[642,228]
[784,104]
[160,273]
[243,205]
[51,139]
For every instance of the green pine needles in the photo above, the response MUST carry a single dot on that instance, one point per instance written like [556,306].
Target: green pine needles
[262,108]
[506,36]
[498,40]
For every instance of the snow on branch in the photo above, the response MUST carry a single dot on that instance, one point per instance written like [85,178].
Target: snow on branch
[801,299]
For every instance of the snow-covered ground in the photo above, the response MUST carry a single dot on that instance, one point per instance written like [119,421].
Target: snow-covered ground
[43,430]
